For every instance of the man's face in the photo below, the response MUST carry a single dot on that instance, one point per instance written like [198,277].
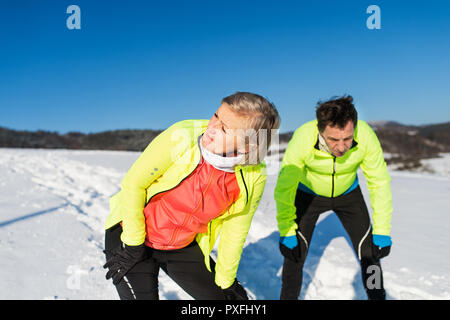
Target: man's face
[226,132]
[339,140]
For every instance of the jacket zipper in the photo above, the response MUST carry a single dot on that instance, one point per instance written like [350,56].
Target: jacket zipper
[245,185]
[246,191]
[332,176]
[354,144]
[209,232]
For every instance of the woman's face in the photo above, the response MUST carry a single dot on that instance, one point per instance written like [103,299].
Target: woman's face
[225,134]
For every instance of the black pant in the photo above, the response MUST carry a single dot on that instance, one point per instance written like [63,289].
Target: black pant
[354,216]
[185,266]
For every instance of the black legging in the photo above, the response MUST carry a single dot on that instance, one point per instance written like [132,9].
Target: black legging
[354,216]
[185,266]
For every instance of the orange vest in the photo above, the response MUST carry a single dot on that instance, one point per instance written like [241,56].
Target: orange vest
[174,217]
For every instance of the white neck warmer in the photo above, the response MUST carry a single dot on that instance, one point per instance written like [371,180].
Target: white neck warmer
[226,164]
[323,145]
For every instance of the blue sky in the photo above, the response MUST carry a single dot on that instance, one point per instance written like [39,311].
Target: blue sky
[147,64]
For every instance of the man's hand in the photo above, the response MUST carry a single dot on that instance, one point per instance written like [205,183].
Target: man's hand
[289,248]
[381,246]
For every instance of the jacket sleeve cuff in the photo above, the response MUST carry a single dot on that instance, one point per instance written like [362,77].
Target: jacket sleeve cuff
[223,282]
[381,231]
[289,231]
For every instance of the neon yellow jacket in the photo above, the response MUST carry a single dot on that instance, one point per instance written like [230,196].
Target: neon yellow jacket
[331,176]
[168,159]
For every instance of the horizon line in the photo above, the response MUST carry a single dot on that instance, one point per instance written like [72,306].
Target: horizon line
[149,129]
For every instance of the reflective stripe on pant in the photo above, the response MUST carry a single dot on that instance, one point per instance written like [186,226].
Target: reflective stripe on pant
[354,216]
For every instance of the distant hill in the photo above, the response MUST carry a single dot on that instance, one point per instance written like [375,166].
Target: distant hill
[130,140]
[409,144]
[406,144]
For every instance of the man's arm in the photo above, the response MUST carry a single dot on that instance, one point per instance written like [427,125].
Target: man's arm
[287,184]
[378,182]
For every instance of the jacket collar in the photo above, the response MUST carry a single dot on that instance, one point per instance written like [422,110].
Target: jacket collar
[239,171]
[316,146]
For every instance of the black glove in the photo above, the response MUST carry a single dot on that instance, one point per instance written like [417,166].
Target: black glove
[289,248]
[380,252]
[122,259]
[381,246]
[235,292]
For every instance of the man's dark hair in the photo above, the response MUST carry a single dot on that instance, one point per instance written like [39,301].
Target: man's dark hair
[336,112]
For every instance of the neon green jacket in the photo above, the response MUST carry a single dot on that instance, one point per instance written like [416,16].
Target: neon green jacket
[330,176]
[168,159]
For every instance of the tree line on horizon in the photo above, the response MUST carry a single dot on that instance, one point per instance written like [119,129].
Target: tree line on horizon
[406,144]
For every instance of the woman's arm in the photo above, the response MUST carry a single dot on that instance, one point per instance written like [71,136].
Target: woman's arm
[232,237]
[150,165]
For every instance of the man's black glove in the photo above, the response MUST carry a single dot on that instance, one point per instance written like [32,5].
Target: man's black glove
[122,259]
[289,248]
[381,246]
[235,292]
[381,252]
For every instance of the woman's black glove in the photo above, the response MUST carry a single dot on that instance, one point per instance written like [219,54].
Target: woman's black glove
[122,259]
[235,292]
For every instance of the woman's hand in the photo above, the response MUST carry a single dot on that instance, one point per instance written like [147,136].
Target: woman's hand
[122,259]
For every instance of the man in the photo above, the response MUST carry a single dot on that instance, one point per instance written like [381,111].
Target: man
[195,181]
[319,173]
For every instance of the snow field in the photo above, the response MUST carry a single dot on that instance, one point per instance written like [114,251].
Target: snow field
[53,204]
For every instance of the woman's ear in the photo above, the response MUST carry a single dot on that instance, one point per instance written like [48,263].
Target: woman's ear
[251,147]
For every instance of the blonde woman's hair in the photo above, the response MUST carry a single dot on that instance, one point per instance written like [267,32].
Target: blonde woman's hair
[264,121]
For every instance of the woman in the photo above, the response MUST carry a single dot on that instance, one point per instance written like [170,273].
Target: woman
[195,181]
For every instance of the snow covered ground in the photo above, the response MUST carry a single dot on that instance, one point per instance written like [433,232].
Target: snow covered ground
[53,204]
